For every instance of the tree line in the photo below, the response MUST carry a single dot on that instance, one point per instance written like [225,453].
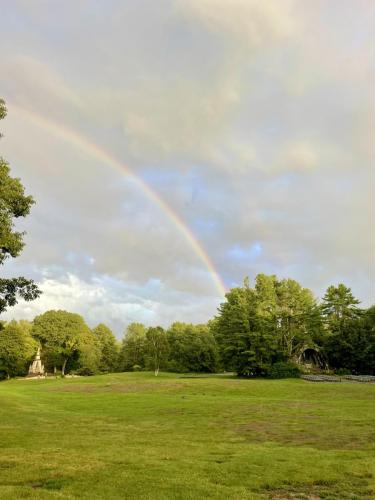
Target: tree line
[68,345]
[275,321]
[258,331]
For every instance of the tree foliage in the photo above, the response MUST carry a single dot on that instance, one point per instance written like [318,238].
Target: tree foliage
[192,348]
[259,326]
[14,203]
[156,348]
[3,110]
[350,332]
[86,360]
[17,348]
[108,348]
[133,348]
[260,330]
[62,334]
[339,306]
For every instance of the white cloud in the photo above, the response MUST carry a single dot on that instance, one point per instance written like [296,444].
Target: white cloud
[248,22]
[105,300]
[299,155]
[27,81]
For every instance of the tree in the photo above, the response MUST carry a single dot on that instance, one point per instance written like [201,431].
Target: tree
[108,347]
[259,326]
[17,348]
[339,305]
[351,346]
[157,348]
[86,359]
[341,319]
[192,348]
[62,334]
[265,336]
[297,315]
[13,204]
[246,327]
[3,110]
[231,328]
[133,348]
[368,350]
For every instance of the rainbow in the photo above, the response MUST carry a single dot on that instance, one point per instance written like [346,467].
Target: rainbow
[98,153]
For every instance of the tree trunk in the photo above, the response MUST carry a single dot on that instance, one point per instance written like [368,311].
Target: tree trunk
[63,367]
[156,371]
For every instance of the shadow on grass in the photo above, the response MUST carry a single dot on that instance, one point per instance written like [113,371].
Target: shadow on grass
[353,487]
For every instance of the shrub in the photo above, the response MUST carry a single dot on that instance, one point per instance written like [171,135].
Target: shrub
[284,369]
[343,371]
[176,367]
[86,371]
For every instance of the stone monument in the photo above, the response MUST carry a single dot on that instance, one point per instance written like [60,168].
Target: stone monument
[36,368]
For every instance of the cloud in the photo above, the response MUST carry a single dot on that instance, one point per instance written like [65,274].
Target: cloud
[243,22]
[165,119]
[94,212]
[253,120]
[299,155]
[166,111]
[190,114]
[102,299]
[28,82]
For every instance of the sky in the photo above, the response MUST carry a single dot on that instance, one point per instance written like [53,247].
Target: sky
[174,147]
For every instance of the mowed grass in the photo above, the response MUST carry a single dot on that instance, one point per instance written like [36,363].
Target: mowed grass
[134,436]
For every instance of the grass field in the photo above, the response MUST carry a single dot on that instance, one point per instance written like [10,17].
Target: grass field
[134,436]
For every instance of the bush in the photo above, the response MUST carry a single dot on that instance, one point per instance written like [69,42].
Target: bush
[284,370]
[343,371]
[86,371]
[176,367]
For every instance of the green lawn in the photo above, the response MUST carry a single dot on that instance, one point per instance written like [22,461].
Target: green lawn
[134,436]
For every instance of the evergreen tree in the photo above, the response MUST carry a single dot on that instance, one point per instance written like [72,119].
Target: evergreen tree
[351,343]
[258,326]
[297,316]
[341,319]
[339,305]
[232,328]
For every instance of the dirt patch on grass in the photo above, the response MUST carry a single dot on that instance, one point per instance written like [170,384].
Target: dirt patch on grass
[289,496]
[49,484]
[120,388]
[354,487]
[53,482]
[307,431]
[304,424]
[6,464]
